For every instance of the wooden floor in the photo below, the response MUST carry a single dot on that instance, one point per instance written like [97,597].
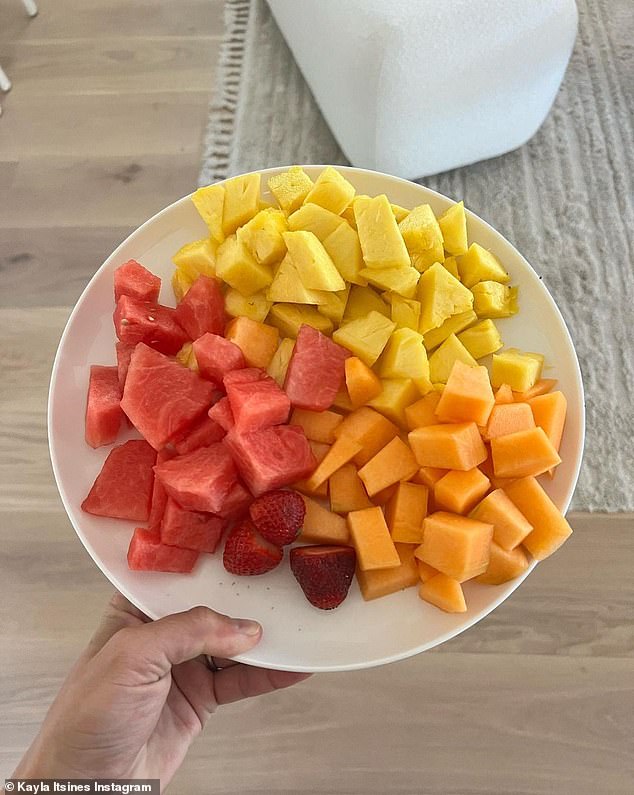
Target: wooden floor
[103,128]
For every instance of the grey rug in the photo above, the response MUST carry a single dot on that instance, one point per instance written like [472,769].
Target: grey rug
[565,199]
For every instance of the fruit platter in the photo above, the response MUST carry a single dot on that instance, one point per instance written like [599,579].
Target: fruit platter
[324,398]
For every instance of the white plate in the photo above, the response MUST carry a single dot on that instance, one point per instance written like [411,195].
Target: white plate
[296,636]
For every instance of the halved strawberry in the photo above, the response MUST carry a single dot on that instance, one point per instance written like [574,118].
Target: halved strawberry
[324,573]
[246,552]
[278,515]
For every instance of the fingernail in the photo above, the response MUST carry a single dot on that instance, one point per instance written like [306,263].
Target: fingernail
[246,627]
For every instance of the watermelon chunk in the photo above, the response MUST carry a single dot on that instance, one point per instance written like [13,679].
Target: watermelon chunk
[123,488]
[316,370]
[155,325]
[134,280]
[202,309]
[124,354]
[103,409]
[257,404]
[237,502]
[163,399]
[191,529]
[147,553]
[271,458]
[205,433]
[222,414]
[247,376]
[159,495]
[201,480]
[217,356]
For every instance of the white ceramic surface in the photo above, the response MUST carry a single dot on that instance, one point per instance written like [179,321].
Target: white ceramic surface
[297,636]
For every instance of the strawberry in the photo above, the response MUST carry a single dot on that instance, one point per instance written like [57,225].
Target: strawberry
[278,516]
[246,552]
[324,573]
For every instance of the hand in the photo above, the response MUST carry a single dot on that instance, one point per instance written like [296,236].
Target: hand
[141,692]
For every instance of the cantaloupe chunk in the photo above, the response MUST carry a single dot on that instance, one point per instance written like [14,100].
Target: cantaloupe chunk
[467,396]
[423,412]
[393,463]
[381,582]
[425,571]
[549,413]
[429,476]
[319,426]
[487,467]
[459,491]
[550,528]
[319,451]
[443,592]
[455,545]
[508,418]
[396,395]
[504,395]
[362,383]
[510,526]
[347,492]
[343,450]
[405,511]
[371,539]
[524,453]
[371,429]
[322,526]
[449,446]
[504,565]
[541,387]
[342,400]
[257,341]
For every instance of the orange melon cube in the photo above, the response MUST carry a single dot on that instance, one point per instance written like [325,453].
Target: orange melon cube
[385,495]
[448,446]
[321,526]
[371,429]
[381,582]
[487,467]
[429,476]
[467,396]
[508,418]
[504,394]
[405,511]
[257,341]
[423,412]
[343,450]
[541,387]
[319,426]
[425,571]
[362,383]
[510,526]
[393,463]
[342,400]
[550,528]
[504,565]
[371,539]
[522,454]
[455,545]
[549,413]
[319,451]
[347,492]
[443,592]
[459,492]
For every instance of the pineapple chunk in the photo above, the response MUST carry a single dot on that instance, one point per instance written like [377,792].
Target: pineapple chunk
[331,190]
[335,305]
[209,202]
[443,358]
[288,318]
[479,265]
[441,295]
[453,225]
[280,361]
[262,235]
[482,339]
[236,266]
[363,300]
[287,286]
[405,312]
[451,264]
[197,258]
[366,336]
[181,282]
[348,215]
[492,299]
[242,201]
[381,241]
[422,237]
[520,370]
[344,249]
[315,219]
[397,395]
[405,356]
[452,325]
[254,306]
[400,213]
[316,270]
[397,280]
[290,188]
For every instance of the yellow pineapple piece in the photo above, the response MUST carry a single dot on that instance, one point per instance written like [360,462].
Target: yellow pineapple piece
[492,299]
[443,358]
[281,358]
[331,190]
[254,306]
[381,241]
[520,370]
[262,235]
[289,317]
[187,357]
[451,264]
[482,339]
[316,219]
[397,395]
[348,215]
[480,265]
[441,295]
[288,287]
[405,312]
[400,213]
[363,300]
[422,237]
[209,202]
[344,249]
[196,258]
[452,325]
[242,201]
[335,305]
[316,270]
[397,280]
[236,266]
[290,188]
[453,225]
[366,336]
[181,282]
[405,356]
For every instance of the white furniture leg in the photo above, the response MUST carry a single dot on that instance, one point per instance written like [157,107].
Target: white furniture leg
[31,7]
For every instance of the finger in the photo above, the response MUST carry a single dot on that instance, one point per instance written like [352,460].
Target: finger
[246,681]
[119,613]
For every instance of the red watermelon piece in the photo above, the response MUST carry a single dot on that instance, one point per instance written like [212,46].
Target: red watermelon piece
[123,488]
[217,356]
[124,354]
[134,280]
[202,309]
[103,406]
[191,529]
[155,325]
[237,502]
[163,399]
[159,495]
[221,413]
[205,433]
[316,370]
[257,404]
[147,553]
[201,480]
[248,375]
[271,458]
